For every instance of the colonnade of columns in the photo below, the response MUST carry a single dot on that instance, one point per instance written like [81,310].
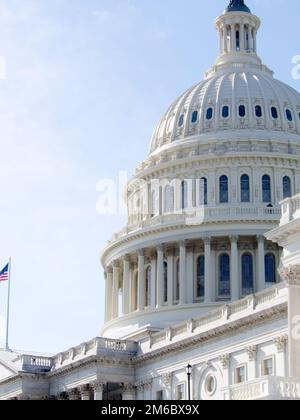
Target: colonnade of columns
[98,392]
[237,37]
[168,274]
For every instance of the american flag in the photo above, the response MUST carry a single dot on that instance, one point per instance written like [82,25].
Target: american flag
[4,274]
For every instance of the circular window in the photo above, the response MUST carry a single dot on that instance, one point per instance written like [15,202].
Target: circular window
[210,385]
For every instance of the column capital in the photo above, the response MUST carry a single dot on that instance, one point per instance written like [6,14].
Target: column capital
[252,353]
[128,387]
[160,248]
[141,253]
[291,275]
[74,394]
[109,269]
[126,258]
[170,252]
[182,244]
[207,240]
[116,265]
[234,239]
[260,238]
[98,386]
[280,343]
[225,360]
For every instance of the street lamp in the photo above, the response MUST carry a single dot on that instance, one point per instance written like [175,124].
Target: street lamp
[189,374]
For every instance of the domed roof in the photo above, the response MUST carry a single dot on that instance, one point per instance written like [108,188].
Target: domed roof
[238,99]
[237,6]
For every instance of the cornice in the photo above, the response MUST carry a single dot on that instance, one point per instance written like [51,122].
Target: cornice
[230,329]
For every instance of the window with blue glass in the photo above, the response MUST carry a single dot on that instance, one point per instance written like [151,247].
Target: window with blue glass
[258,111]
[148,286]
[181,121]
[247,274]
[225,111]
[184,195]
[270,268]
[200,277]
[224,275]
[165,282]
[287,187]
[289,115]
[224,196]
[266,189]
[203,191]
[209,113]
[274,112]
[245,189]
[242,111]
[194,117]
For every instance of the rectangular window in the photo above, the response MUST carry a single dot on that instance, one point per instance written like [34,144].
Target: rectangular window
[159,395]
[268,367]
[240,375]
[180,392]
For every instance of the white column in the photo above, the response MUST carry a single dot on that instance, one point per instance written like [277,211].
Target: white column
[252,356]
[182,299]
[153,281]
[233,37]
[129,392]
[160,276]
[170,254]
[208,273]
[126,285]
[108,294]
[261,283]
[98,391]
[250,41]
[115,299]
[234,269]
[225,46]
[141,281]
[242,37]
[190,277]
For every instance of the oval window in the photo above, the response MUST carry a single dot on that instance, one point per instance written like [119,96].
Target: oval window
[258,111]
[274,113]
[194,117]
[225,111]
[209,113]
[289,115]
[242,111]
[181,121]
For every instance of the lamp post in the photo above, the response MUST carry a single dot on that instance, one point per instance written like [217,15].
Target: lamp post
[189,374]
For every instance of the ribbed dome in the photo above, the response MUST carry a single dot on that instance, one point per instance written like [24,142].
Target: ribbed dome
[232,100]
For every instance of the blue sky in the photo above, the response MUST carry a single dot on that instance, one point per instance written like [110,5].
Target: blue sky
[87,80]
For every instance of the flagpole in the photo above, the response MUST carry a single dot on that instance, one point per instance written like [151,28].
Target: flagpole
[8,308]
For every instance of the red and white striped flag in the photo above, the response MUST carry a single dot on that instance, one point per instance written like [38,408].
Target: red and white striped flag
[4,274]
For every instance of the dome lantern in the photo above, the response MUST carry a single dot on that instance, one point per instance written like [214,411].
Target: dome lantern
[238,29]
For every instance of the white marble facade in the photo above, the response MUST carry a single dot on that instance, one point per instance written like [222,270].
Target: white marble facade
[206,272]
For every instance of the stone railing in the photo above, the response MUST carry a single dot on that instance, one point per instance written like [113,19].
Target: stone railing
[223,314]
[267,388]
[96,347]
[290,209]
[204,215]
[36,364]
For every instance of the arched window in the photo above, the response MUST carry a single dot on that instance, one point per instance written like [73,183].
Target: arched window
[245,189]
[209,113]
[224,275]
[247,274]
[258,111]
[242,111]
[224,198]
[274,112]
[287,187]
[148,286]
[238,40]
[194,118]
[203,192]
[289,115]
[169,199]
[184,195]
[270,268]
[200,277]
[181,121]
[165,282]
[177,281]
[266,189]
[225,111]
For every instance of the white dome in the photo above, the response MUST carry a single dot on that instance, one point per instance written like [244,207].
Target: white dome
[200,109]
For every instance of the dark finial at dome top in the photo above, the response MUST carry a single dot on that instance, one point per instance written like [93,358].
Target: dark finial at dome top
[237,6]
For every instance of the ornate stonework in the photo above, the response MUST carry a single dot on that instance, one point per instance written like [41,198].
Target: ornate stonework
[291,275]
